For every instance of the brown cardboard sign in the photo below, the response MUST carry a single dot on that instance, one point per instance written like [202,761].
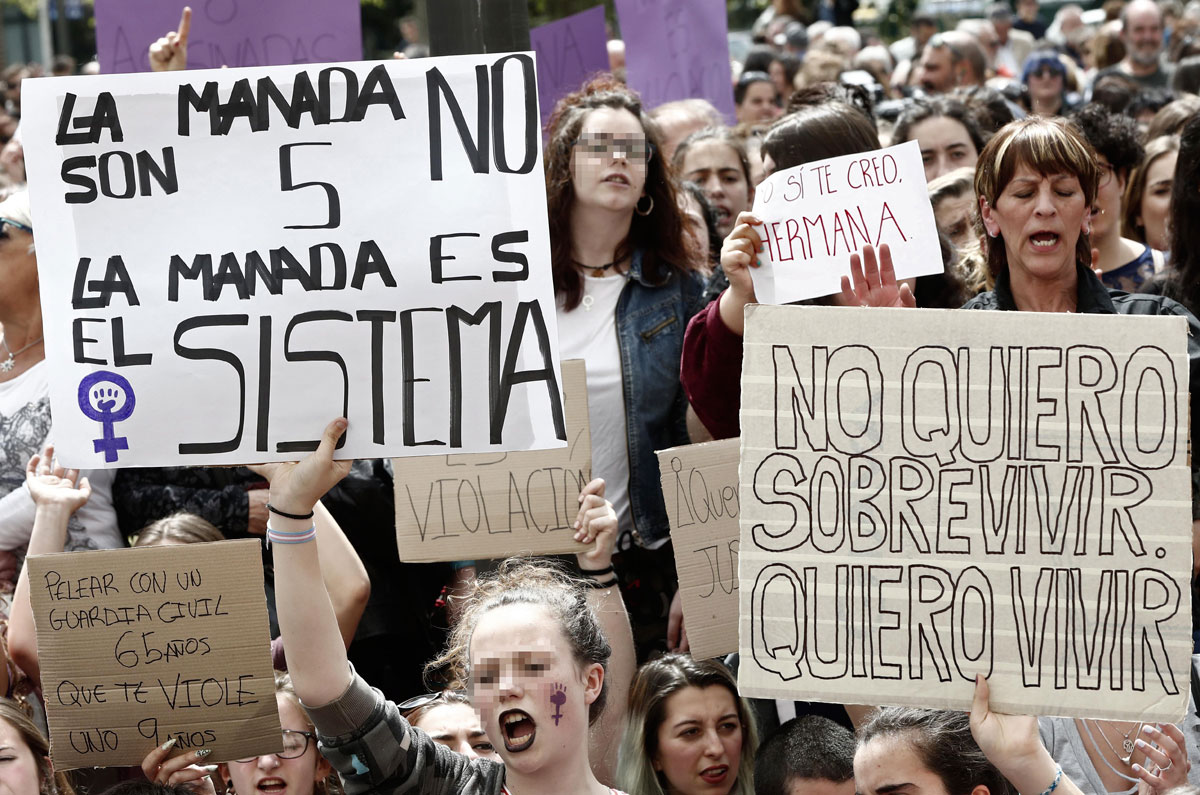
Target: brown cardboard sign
[478,506]
[931,495]
[700,489]
[141,645]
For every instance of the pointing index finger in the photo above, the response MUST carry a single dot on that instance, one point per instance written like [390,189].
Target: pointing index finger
[185,25]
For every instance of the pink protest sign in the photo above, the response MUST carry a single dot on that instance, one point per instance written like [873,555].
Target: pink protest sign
[569,50]
[677,49]
[230,32]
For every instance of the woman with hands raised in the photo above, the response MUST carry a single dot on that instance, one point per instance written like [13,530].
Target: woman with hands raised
[531,647]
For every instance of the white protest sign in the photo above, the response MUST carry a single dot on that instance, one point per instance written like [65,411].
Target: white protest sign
[233,257]
[928,495]
[818,214]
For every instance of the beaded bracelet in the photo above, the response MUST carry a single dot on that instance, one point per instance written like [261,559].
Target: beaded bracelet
[288,537]
[1054,784]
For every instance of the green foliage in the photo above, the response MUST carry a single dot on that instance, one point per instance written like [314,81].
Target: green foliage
[894,24]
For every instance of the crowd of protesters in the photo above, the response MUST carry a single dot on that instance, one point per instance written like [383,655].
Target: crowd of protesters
[1063,160]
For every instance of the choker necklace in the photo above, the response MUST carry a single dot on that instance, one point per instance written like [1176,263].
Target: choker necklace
[597,270]
[8,364]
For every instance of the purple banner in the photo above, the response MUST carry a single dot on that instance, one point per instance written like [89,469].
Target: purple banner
[569,50]
[230,32]
[677,49]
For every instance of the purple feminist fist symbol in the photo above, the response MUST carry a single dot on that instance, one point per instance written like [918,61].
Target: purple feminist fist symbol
[107,405]
[558,698]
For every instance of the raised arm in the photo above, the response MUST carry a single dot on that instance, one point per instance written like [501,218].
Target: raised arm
[169,54]
[342,572]
[316,653]
[596,525]
[58,493]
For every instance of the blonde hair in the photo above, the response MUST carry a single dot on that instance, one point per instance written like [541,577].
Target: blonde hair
[655,683]
[180,528]
[524,582]
[1049,146]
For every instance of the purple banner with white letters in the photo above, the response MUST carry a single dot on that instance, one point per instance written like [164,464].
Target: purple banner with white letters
[230,32]
[569,51]
[677,49]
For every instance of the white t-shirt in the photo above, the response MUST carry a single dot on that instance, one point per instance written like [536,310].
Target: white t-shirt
[589,332]
[24,427]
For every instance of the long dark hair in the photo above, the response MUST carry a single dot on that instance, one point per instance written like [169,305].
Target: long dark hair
[659,233]
[818,132]
[939,107]
[1185,209]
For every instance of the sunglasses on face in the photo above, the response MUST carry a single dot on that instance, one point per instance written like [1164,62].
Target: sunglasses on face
[629,147]
[1046,71]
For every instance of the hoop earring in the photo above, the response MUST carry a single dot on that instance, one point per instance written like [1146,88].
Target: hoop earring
[638,207]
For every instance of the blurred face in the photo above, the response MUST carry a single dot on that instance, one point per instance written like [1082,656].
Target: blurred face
[532,696]
[716,167]
[945,146]
[1027,10]
[1106,215]
[936,73]
[694,225]
[1040,219]
[18,768]
[1045,83]
[1143,33]
[953,216]
[758,104]
[18,266]
[457,726]
[270,775]
[1156,201]
[700,742]
[889,765]
[608,162]
[783,86]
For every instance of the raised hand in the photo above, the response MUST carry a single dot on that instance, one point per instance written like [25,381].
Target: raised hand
[595,522]
[169,54]
[53,486]
[296,487]
[874,284]
[739,253]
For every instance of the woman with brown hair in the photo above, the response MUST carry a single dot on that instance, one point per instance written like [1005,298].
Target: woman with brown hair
[1147,202]
[25,767]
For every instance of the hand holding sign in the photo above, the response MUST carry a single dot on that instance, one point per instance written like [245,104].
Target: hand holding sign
[296,487]
[183,770]
[169,54]
[597,521]
[739,253]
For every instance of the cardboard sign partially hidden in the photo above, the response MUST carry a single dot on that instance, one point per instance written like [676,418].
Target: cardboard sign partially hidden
[816,215]
[464,507]
[700,489]
[928,495]
[141,645]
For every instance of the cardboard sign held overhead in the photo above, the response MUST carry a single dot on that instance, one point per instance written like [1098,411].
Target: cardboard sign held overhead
[137,646]
[700,489]
[327,277]
[818,214]
[678,49]
[928,495]
[569,51]
[464,507]
[228,33]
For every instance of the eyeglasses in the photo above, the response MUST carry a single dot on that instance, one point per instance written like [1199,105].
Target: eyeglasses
[5,222]
[628,147]
[1046,72]
[295,743]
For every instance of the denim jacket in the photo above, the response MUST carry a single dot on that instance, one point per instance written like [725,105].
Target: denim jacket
[650,323]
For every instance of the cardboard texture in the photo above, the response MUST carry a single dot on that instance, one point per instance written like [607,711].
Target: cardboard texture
[928,495]
[569,51]
[818,214]
[700,489]
[261,33]
[140,645]
[464,507]
[353,292]
[678,49]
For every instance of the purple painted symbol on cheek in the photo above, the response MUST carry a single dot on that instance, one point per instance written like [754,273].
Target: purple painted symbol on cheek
[558,698]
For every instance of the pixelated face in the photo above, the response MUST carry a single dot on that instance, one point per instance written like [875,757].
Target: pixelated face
[269,774]
[889,765]
[609,160]
[716,167]
[532,696]
[1156,201]
[700,741]
[459,728]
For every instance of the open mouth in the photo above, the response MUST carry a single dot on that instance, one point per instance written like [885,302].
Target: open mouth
[724,214]
[619,179]
[273,785]
[1044,239]
[715,774]
[517,729]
